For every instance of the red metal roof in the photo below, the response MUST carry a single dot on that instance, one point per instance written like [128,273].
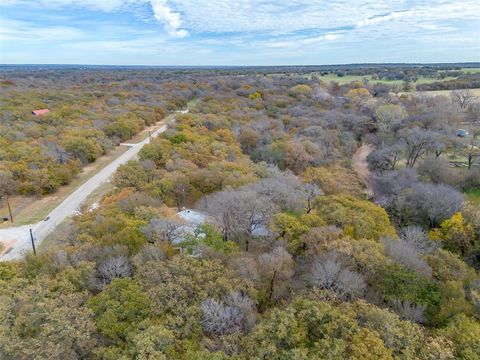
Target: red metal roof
[40,112]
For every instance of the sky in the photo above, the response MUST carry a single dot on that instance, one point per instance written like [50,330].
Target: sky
[248,32]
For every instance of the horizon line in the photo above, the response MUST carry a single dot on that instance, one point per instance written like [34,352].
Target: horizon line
[250,66]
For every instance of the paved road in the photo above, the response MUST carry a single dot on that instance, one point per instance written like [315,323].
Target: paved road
[19,237]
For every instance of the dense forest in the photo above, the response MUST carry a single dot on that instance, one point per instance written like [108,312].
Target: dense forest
[89,114]
[298,257]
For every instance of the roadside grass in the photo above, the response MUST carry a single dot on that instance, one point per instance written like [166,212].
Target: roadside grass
[63,231]
[142,135]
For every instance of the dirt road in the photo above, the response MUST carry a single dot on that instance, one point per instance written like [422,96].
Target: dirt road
[16,240]
[360,166]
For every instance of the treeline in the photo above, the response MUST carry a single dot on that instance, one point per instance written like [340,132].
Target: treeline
[90,113]
[470,81]
[293,260]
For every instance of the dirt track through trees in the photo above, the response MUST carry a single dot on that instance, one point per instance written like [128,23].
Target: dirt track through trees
[360,166]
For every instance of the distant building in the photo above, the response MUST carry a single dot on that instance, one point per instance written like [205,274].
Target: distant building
[40,112]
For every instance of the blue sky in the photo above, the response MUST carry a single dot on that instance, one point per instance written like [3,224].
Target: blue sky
[261,32]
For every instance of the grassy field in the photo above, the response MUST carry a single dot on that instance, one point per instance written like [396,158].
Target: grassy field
[471,70]
[349,78]
[473,195]
[475,92]
[422,80]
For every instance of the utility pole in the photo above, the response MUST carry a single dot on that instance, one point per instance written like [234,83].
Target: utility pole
[33,243]
[150,135]
[8,206]
[9,209]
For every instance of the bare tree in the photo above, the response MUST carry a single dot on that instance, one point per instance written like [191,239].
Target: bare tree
[115,267]
[409,311]
[161,229]
[56,152]
[471,150]
[388,186]
[149,167]
[473,114]
[384,159]
[428,204]
[239,212]
[276,267]
[152,252]
[416,237]
[329,274]
[286,190]
[418,142]
[247,307]
[463,98]
[235,313]
[402,252]
[220,319]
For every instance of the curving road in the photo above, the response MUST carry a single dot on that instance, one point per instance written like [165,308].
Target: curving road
[17,238]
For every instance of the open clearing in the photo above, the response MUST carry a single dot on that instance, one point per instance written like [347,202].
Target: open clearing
[349,78]
[421,80]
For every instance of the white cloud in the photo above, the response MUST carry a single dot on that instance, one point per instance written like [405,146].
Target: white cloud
[249,29]
[298,15]
[181,17]
[169,18]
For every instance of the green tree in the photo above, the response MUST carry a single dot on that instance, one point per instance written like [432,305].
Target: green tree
[208,236]
[119,308]
[45,320]
[359,218]
[82,148]
[464,332]
[457,235]
[397,283]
